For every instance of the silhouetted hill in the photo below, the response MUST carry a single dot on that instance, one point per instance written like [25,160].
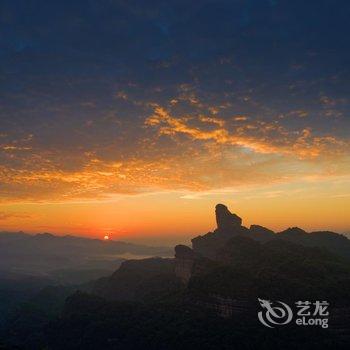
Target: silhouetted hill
[260,233]
[334,242]
[237,262]
[139,280]
[277,269]
[230,225]
[217,305]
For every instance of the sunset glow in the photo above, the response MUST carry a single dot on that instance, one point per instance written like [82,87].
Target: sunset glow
[142,140]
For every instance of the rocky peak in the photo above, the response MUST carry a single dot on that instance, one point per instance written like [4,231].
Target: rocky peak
[225,219]
[293,231]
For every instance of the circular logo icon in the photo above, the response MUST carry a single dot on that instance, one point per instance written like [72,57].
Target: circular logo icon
[274,313]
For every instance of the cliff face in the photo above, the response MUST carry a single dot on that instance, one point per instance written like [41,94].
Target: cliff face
[184,261]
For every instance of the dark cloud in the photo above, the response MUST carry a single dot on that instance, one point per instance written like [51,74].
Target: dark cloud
[79,80]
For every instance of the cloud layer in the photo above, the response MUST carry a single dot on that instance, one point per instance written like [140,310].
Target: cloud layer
[110,98]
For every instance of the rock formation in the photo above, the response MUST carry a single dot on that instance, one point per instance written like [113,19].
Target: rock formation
[229,225]
[225,219]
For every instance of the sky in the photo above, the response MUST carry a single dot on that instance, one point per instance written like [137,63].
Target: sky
[135,118]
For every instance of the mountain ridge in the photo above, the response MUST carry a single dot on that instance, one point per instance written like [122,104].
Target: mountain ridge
[230,225]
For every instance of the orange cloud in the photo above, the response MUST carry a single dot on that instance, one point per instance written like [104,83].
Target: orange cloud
[191,152]
[259,136]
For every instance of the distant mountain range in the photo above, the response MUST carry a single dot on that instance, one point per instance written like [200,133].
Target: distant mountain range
[45,253]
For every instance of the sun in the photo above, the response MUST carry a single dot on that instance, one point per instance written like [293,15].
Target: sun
[106,237]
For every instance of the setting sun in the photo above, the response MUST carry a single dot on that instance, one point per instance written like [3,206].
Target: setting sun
[106,237]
